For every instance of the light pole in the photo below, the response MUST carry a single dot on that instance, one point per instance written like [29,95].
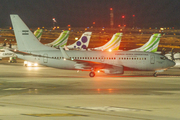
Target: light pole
[133,20]
[111,18]
[123,19]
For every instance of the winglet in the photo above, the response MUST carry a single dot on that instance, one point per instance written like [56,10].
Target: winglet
[65,55]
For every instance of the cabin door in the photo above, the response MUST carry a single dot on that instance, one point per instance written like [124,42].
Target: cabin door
[152,59]
[45,58]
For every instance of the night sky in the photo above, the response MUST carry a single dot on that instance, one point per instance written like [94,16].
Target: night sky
[82,13]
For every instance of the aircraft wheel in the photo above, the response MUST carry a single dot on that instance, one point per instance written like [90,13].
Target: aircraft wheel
[91,74]
[155,74]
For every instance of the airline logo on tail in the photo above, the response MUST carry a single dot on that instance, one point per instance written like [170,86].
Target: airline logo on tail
[60,41]
[82,43]
[38,33]
[151,45]
[113,44]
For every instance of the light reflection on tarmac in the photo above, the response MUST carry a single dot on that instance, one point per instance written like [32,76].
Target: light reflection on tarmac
[48,93]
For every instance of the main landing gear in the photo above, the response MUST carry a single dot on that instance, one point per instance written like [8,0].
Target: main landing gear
[92,74]
[155,74]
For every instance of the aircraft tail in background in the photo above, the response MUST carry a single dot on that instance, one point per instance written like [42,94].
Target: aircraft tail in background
[60,41]
[151,45]
[38,33]
[113,44]
[82,43]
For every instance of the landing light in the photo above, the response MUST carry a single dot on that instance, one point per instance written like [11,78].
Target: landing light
[76,38]
[35,64]
[29,64]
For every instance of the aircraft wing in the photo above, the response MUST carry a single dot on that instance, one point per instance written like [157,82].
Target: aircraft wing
[88,65]
[83,64]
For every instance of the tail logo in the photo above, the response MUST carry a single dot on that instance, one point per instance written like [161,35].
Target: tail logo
[80,44]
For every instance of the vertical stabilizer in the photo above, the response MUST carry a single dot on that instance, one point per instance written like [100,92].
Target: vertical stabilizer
[61,40]
[26,41]
[113,44]
[82,43]
[151,45]
[38,33]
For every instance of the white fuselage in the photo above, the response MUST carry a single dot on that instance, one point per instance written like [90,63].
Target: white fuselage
[134,60]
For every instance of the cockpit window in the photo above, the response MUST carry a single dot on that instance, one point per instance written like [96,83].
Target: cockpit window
[163,57]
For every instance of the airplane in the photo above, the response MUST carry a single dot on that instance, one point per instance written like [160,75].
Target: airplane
[113,44]
[115,62]
[6,53]
[60,41]
[151,45]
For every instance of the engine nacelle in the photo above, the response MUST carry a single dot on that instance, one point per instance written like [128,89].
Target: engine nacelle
[114,70]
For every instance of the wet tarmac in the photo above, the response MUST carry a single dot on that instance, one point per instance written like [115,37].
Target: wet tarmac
[48,93]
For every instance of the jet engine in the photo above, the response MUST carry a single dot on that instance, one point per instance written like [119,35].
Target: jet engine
[114,70]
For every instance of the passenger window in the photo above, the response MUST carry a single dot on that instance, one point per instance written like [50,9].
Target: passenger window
[163,58]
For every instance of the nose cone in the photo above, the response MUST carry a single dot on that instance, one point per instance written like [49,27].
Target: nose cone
[171,63]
